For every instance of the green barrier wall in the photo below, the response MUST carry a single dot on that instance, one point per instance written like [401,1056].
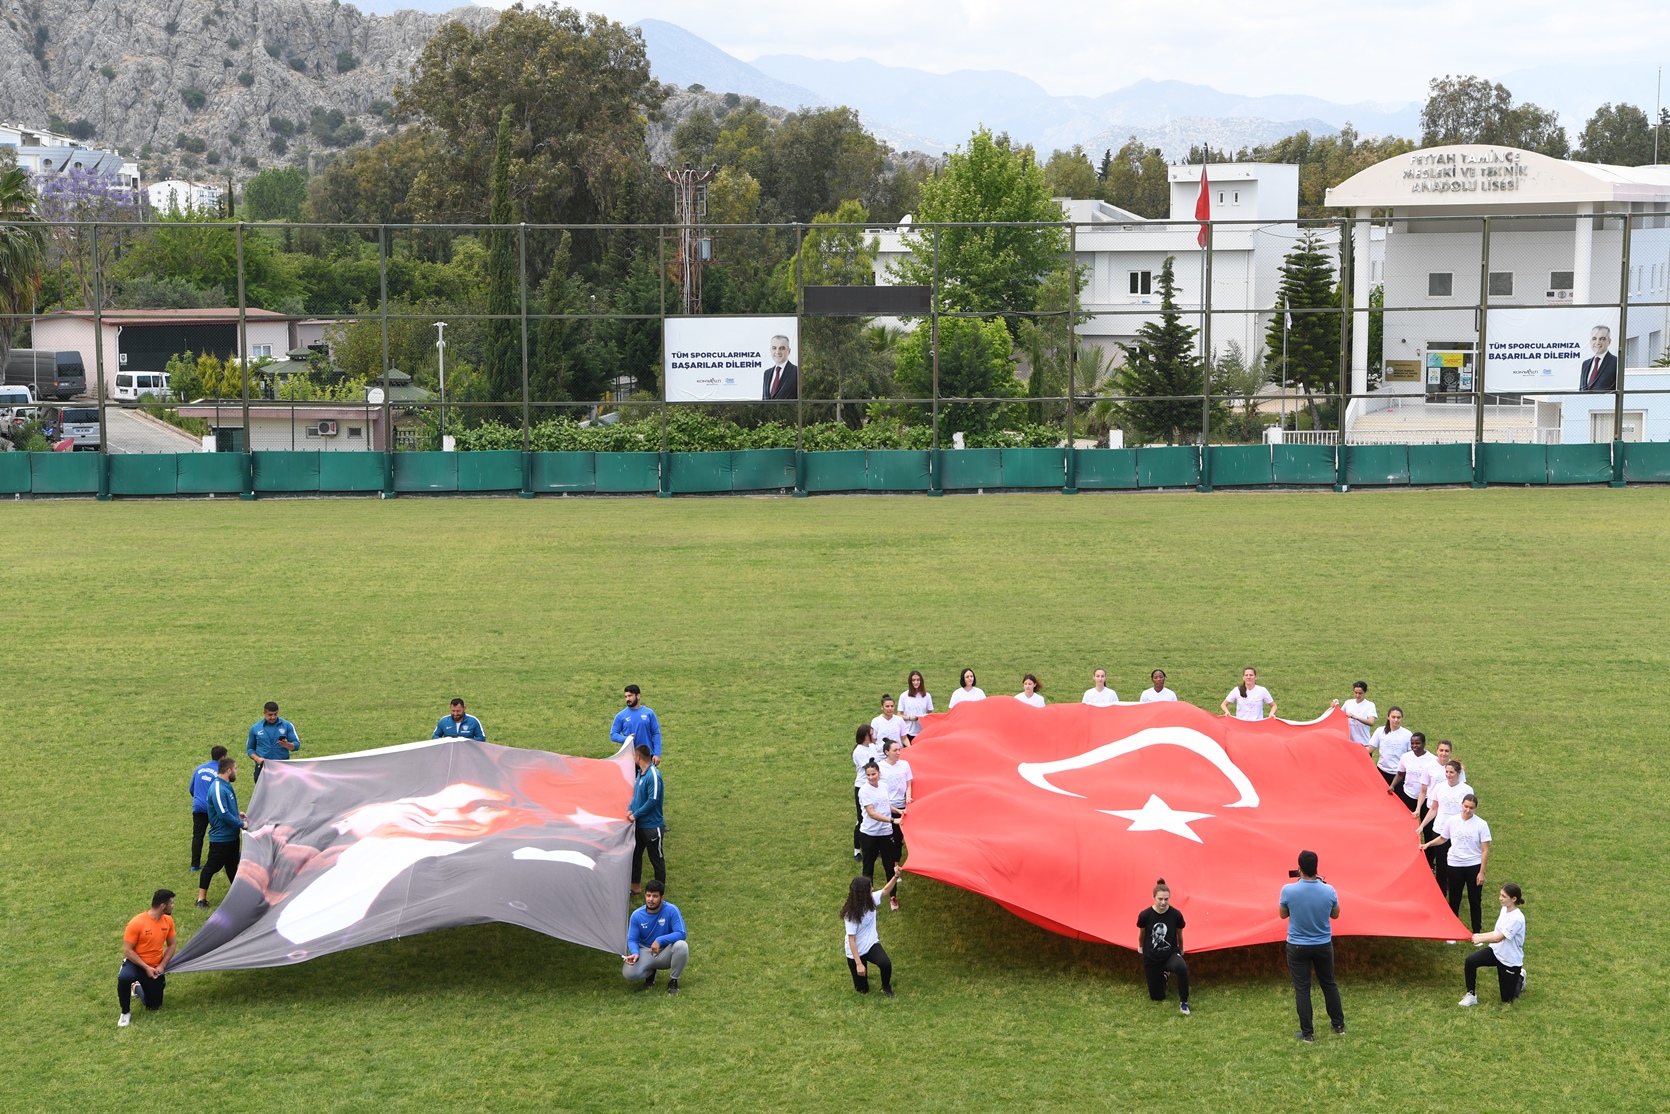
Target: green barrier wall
[698,473]
[1035,468]
[1105,469]
[343,472]
[1376,465]
[841,470]
[565,471]
[492,470]
[967,469]
[1239,466]
[210,473]
[285,471]
[15,476]
[1514,464]
[1646,462]
[1440,464]
[64,473]
[898,470]
[143,474]
[1579,464]
[762,470]
[628,472]
[1300,465]
[426,471]
[1170,466]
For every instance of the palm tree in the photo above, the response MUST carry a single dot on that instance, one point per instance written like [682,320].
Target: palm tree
[22,250]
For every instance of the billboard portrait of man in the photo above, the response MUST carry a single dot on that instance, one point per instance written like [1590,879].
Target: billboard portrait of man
[1600,371]
[782,378]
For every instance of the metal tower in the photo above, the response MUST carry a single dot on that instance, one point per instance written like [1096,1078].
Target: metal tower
[694,249]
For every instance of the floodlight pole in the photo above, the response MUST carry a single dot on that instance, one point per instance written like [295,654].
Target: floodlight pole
[1070,487]
[440,355]
[1623,351]
[1480,357]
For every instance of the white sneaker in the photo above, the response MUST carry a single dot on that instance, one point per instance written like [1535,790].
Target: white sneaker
[1469,1000]
[122,1022]
[1451,943]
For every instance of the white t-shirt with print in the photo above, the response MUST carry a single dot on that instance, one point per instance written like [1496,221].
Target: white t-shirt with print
[1250,706]
[1510,949]
[1036,699]
[1392,746]
[863,931]
[1448,799]
[962,694]
[1101,699]
[1361,733]
[897,777]
[1149,696]
[886,729]
[913,708]
[1416,770]
[1467,839]
[861,755]
[879,797]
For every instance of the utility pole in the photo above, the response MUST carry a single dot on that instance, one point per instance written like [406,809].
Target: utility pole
[689,206]
[440,351]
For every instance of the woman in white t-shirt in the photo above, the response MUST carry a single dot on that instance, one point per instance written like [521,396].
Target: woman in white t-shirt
[1391,741]
[1159,691]
[914,703]
[1361,712]
[1099,695]
[1443,802]
[1250,697]
[968,689]
[862,943]
[864,751]
[1505,950]
[1031,691]
[1469,838]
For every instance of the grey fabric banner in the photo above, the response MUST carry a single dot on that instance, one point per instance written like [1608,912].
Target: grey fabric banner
[351,849]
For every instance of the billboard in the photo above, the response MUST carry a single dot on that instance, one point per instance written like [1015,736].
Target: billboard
[1560,348]
[731,359]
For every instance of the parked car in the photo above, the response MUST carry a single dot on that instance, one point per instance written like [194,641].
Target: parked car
[49,374]
[17,406]
[131,385]
[78,424]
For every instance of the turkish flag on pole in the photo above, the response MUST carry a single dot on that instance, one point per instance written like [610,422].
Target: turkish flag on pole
[1066,815]
[1203,206]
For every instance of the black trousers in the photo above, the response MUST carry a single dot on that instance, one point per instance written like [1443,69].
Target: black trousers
[898,843]
[222,856]
[199,828]
[648,839]
[1300,959]
[875,847]
[1466,877]
[1156,973]
[874,959]
[1507,978]
[150,990]
[1384,774]
[858,812]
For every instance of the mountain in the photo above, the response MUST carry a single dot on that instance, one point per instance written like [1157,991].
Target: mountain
[680,58]
[150,73]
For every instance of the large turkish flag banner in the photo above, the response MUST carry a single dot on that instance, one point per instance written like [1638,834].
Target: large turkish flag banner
[1066,815]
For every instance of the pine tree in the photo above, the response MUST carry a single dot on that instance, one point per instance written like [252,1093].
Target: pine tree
[554,364]
[501,358]
[1308,290]
[1163,362]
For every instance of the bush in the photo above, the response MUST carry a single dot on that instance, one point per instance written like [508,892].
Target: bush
[108,72]
[246,79]
[297,64]
[194,97]
[345,62]
[190,143]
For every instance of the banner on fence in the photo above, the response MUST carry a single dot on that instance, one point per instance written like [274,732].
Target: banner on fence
[731,359]
[1561,348]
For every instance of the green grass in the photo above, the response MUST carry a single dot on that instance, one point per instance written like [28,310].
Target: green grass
[1529,626]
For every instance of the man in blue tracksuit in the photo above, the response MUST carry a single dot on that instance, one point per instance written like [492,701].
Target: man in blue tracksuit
[271,738]
[201,779]
[458,724]
[637,725]
[647,822]
[226,825]
[655,939]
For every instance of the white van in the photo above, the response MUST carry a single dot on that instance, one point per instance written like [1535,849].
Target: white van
[17,406]
[130,385]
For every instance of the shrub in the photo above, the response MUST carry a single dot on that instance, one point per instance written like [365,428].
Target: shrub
[345,62]
[297,64]
[246,79]
[194,97]
[108,72]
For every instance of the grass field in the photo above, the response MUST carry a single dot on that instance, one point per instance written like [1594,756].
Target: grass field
[1530,626]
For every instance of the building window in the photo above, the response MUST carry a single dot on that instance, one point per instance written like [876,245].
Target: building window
[1439,284]
[1235,198]
[1142,282]
[355,433]
[1561,280]
[1220,197]
[260,351]
[1501,284]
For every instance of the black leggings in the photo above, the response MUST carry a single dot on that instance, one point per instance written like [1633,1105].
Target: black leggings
[1466,877]
[876,958]
[1507,978]
[199,828]
[858,811]
[874,847]
[648,839]
[150,990]
[1156,973]
[221,856]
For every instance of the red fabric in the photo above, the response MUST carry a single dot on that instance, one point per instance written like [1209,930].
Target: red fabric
[1058,860]
[1203,206]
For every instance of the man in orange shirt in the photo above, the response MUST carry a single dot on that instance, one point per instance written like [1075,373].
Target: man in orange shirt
[147,946]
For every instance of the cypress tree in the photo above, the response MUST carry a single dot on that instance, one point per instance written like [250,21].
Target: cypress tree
[501,358]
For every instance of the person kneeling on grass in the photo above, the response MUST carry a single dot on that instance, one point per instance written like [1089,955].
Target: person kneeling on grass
[655,940]
[863,944]
[1506,950]
[1160,930]
[148,944]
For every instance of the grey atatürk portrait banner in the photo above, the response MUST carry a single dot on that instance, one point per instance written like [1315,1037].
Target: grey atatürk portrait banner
[352,849]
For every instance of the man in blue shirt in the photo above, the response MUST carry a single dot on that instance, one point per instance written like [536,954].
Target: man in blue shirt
[226,825]
[637,725]
[458,725]
[271,738]
[201,779]
[655,940]
[1309,906]
[645,813]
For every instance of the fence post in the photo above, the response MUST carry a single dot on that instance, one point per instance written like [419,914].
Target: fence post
[933,337]
[243,365]
[98,368]
[800,390]
[1479,357]
[664,481]
[1347,340]
[1206,361]
[388,406]
[1623,353]
[527,434]
[1070,482]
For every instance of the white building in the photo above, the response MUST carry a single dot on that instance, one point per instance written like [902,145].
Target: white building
[177,196]
[44,153]
[1555,272]
[144,339]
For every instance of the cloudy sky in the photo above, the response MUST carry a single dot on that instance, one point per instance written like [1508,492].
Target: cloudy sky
[1370,50]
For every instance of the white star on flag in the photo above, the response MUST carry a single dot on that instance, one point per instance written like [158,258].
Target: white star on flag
[1157,816]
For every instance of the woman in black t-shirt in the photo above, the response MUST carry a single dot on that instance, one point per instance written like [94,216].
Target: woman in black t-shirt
[1160,929]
